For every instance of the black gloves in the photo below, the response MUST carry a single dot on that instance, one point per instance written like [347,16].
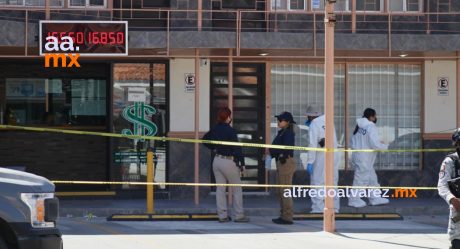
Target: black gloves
[238,163]
[282,159]
[322,142]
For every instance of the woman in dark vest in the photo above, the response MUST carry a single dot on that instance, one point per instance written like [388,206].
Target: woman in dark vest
[285,165]
[227,166]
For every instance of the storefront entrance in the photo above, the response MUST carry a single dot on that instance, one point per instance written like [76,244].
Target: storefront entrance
[248,110]
[139,108]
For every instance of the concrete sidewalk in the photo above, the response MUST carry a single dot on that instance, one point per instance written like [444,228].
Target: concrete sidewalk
[254,206]
[415,232]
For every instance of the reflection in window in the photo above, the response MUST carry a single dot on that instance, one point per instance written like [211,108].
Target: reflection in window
[239,4]
[220,103]
[252,80]
[340,5]
[56,102]
[54,3]
[294,87]
[394,92]
[288,4]
[134,85]
[223,80]
[87,3]
[279,4]
[369,5]
[297,5]
[405,5]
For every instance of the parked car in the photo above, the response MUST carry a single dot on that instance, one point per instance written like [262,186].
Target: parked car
[401,160]
[28,212]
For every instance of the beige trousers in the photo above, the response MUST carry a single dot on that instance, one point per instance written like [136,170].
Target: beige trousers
[285,172]
[226,171]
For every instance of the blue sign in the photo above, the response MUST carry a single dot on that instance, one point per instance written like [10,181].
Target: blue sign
[315,4]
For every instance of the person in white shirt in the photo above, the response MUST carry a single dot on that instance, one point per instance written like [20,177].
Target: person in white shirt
[450,168]
[365,136]
[316,122]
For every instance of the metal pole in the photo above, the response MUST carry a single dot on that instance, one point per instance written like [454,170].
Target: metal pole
[150,179]
[47,10]
[197,125]
[26,35]
[200,15]
[230,105]
[353,16]
[329,22]
[458,89]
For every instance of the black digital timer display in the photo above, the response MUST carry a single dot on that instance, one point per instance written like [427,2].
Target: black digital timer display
[95,38]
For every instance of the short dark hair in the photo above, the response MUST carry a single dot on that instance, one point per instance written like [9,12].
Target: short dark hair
[223,114]
[369,112]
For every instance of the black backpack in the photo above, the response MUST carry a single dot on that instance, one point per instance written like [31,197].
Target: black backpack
[454,184]
[456,160]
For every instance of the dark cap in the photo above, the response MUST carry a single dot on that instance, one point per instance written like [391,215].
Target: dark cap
[286,116]
[456,137]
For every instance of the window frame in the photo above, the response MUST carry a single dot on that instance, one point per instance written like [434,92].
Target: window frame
[347,4]
[382,8]
[404,10]
[288,6]
[87,6]
[49,99]
[32,6]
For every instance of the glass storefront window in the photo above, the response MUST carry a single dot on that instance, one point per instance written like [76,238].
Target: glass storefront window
[87,3]
[55,102]
[340,5]
[54,3]
[405,5]
[394,92]
[139,108]
[293,88]
[369,5]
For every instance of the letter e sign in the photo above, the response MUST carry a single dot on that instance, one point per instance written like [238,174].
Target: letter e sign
[189,82]
[443,86]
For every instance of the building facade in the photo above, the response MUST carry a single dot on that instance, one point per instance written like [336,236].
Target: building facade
[259,57]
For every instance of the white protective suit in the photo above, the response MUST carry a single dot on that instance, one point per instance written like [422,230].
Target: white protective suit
[446,173]
[363,162]
[316,132]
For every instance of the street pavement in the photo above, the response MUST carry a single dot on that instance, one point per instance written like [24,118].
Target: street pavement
[416,232]
[253,206]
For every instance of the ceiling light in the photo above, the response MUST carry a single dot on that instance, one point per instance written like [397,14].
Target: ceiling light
[263,54]
[403,55]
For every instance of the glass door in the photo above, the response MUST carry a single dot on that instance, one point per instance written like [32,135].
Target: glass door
[248,110]
[139,108]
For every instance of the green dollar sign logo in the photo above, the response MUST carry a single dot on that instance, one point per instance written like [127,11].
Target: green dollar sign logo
[136,114]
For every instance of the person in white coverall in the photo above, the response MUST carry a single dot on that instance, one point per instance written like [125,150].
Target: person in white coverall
[365,136]
[316,122]
[447,172]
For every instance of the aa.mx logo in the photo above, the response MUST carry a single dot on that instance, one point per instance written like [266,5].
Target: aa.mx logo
[138,115]
[53,46]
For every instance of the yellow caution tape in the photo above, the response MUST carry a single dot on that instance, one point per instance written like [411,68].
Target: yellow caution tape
[190,140]
[235,185]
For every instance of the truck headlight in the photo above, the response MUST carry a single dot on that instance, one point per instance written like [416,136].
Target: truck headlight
[36,204]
